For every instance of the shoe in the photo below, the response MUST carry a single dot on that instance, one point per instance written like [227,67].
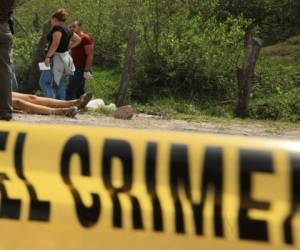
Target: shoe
[85,99]
[72,112]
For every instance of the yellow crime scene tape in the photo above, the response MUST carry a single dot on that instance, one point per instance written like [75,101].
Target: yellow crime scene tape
[65,187]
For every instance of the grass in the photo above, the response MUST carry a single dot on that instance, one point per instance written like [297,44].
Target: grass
[276,94]
[286,53]
[106,84]
[216,114]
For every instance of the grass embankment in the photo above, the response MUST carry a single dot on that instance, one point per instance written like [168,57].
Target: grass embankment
[276,93]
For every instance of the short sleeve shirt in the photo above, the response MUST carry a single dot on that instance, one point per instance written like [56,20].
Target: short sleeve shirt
[78,53]
[65,39]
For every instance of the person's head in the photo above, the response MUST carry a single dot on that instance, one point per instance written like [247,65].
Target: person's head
[76,27]
[60,16]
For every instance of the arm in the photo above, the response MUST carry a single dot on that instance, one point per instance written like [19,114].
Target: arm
[56,37]
[89,50]
[13,5]
[75,41]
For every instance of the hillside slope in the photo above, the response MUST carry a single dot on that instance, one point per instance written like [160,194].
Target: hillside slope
[287,52]
[276,93]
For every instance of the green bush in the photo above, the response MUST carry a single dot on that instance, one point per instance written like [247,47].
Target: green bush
[277,106]
[23,50]
[191,55]
[275,20]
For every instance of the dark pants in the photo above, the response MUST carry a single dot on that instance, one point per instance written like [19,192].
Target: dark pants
[5,72]
[76,85]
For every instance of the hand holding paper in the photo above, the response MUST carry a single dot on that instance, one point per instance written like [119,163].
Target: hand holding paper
[43,66]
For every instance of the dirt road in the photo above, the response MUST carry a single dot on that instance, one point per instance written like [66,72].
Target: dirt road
[149,122]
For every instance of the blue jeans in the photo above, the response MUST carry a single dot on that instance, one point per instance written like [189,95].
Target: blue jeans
[14,81]
[49,88]
[76,85]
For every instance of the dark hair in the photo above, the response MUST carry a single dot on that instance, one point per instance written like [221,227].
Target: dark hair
[61,15]
[78,22]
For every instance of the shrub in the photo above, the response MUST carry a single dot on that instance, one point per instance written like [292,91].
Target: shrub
[277,106]
[195,54]
[23,50]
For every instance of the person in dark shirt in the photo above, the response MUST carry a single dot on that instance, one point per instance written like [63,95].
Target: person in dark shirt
[82,55]
[60,39]
[6,10]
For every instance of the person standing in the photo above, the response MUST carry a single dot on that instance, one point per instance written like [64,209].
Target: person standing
[60,39]
[6,10]
[83,56]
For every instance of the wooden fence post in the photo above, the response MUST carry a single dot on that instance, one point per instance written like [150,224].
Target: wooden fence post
[132,39]
[246,74]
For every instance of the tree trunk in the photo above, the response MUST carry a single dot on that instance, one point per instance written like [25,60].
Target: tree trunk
[39,56]
[246,74]
[132,39]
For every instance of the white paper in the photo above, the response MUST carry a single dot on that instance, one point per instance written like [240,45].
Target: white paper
[43,66]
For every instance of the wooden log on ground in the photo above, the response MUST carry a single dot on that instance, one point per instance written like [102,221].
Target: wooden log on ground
[245,75]
[132,39]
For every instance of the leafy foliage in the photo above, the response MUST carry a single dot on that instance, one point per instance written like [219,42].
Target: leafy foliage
[187,51]
[276,20]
